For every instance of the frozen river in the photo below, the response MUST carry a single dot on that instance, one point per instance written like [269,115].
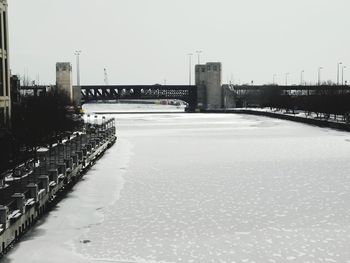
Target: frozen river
[204,188]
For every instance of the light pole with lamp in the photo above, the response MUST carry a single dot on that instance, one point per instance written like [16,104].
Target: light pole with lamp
[340,63]
[302,77]
[319,75]
[77,54]
[286,83]
[190,68]
[199,56]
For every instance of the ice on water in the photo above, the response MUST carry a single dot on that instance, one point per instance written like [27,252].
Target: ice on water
[211,188]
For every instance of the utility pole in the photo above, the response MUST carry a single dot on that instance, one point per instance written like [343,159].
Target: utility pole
[77,54]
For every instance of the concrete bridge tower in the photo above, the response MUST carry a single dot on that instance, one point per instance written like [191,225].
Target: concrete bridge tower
[208,81]
[201,80]
[214,91]
[64,80]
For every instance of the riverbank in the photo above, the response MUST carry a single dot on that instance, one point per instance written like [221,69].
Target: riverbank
[27,195]
[290,117]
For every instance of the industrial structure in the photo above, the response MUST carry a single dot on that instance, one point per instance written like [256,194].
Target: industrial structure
[5,94]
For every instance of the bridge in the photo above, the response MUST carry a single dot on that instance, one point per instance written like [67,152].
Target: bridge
[93,93]
[328,88]
[233,95]
[139,92]
[252,95]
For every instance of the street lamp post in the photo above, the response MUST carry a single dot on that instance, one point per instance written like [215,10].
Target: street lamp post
[77,54]
[319,75]
[199,56]
[302,77]
[340,63]
[342,75]
[287,74]
[190,68]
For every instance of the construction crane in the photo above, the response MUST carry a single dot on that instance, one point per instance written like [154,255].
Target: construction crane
[106,76]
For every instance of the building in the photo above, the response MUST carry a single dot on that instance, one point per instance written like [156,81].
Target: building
[208,82]
[64,80]
[5,95]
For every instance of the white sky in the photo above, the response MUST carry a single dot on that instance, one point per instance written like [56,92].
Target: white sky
[147,41]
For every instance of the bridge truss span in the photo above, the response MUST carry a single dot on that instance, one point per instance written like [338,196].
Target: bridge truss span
[139,92]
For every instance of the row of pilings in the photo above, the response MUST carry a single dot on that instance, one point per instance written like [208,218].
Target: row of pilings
[29,190]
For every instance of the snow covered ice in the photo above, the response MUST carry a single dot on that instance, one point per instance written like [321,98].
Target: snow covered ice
[204,188]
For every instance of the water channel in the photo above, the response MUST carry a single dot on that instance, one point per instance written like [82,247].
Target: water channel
[180,187]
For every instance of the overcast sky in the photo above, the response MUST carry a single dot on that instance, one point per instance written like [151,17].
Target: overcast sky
[147,41]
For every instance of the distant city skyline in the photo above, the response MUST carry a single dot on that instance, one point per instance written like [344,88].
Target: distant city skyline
[148,42]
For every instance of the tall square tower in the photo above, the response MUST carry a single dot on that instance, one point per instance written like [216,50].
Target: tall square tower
[208,82]
[201,79]
[64,81]
[213,83]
